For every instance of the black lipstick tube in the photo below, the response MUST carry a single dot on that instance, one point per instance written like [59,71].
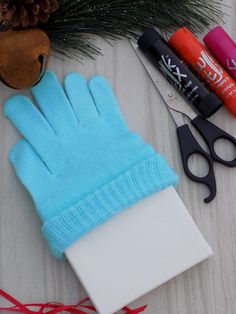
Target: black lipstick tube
[177,73]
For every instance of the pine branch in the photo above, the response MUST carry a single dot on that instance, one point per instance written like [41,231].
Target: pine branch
[71,26]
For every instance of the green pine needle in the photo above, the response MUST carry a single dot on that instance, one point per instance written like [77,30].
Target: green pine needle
[71,26]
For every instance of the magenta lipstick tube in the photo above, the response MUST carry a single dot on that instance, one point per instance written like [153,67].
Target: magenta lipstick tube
[224,49]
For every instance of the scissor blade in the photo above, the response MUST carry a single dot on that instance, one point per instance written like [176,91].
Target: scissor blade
[177,117]
[172,98]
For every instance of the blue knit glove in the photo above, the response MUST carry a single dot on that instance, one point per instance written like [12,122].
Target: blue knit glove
[78,159]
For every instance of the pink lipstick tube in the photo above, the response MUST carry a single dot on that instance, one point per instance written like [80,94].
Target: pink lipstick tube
[224,49]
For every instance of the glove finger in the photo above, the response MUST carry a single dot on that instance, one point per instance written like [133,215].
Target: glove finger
[54,104]
[106,102]
[35,128]
[80,98]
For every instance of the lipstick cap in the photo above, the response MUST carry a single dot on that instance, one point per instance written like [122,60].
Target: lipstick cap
[148,38]
[218,41]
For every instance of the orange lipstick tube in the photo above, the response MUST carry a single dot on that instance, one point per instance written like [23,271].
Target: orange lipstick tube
[194,53]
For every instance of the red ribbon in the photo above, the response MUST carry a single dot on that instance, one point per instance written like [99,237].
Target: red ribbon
[83,307]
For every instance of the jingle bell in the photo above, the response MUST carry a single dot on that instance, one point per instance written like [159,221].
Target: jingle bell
[23,57]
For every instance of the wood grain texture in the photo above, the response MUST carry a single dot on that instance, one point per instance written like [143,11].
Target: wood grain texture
[27,269]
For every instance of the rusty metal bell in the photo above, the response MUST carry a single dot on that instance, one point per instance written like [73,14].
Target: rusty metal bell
[23,57]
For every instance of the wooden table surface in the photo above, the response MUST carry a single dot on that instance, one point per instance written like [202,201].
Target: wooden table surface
[30,273]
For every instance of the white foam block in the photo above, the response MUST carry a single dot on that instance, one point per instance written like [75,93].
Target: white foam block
[137,251]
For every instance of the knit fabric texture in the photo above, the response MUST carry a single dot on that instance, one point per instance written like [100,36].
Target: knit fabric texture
[78,159]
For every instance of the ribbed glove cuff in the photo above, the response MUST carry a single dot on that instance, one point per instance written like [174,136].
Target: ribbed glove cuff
[143,179]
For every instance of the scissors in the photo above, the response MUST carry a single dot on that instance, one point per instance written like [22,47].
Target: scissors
[189,146]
